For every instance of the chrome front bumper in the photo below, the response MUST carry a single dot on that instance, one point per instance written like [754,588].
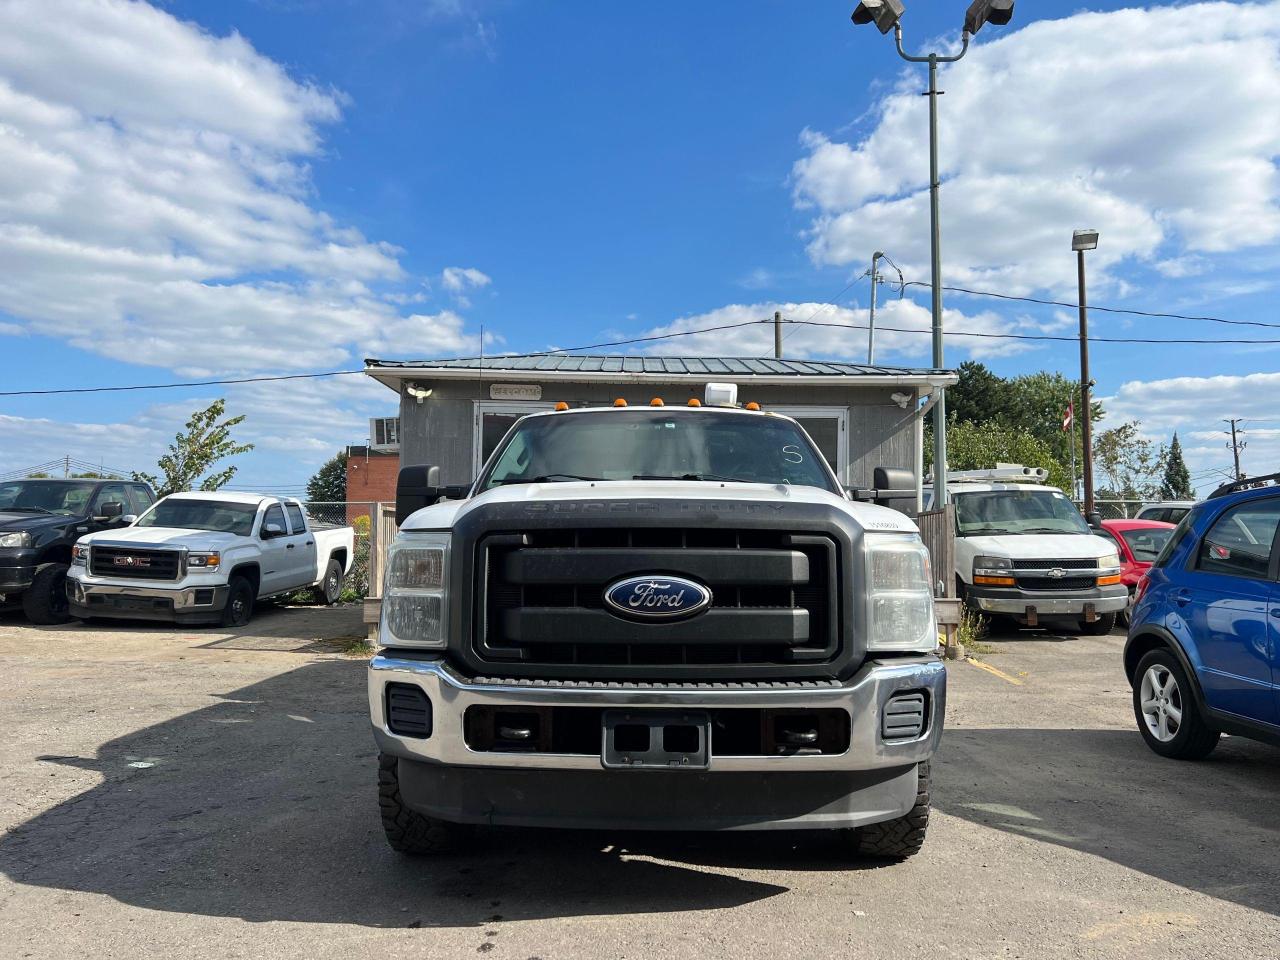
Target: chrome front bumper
[863,697]
[190,600]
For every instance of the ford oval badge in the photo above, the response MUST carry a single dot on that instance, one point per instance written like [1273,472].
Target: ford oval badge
[657,598]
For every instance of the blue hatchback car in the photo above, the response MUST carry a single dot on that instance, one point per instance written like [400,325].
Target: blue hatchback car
[1203,655]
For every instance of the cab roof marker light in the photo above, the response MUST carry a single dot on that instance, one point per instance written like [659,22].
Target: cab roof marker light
[561,406]
[620,402]
[695,402]
[657,402]
[753,405]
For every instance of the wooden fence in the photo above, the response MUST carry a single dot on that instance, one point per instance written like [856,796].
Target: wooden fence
[938,530]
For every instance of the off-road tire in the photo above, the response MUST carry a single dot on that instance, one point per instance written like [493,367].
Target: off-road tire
[900,838]
[329,589]
[1105,623]
[1195,739]
[240,598]
[409,831]
[45,601]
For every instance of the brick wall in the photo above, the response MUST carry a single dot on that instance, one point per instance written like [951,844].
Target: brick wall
[373,478]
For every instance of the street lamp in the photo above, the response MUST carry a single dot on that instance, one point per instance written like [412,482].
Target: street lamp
[886,14]
[1082,240]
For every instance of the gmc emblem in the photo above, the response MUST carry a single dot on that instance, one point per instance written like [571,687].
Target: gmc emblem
[131,562]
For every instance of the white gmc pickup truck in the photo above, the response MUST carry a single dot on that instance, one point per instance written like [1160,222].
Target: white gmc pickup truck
[205,558]
[667,618]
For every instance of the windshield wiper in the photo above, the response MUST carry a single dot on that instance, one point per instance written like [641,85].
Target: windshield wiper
[987,531]
[714,477]
[546,478]
[1048,530]
[27,510]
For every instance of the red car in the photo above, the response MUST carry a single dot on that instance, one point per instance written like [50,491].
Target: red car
[1138,542]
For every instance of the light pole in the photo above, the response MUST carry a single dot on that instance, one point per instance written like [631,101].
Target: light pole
[1081,241]
[885,14]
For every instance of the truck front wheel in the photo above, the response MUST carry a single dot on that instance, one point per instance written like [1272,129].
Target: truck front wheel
[409,831]
[45,601]
[1100,627]
[239,608]
[900,838]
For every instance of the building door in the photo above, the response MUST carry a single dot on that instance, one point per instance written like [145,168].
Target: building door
[493,419]
[828,427]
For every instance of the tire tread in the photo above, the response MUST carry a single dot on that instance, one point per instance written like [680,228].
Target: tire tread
[903,836]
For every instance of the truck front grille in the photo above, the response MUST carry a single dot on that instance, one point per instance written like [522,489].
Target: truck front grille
[775,599]
[1059,583]
[1088,564]
[134,564]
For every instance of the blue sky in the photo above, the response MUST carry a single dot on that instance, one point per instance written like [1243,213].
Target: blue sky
[193,190]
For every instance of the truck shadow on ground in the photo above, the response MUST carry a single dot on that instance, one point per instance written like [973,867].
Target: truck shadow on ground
[1209,826]
[275,627]
[263,807]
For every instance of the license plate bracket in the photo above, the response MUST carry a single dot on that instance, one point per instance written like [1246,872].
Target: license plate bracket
[656,740]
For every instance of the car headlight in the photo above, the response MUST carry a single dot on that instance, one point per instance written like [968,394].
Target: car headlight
[992,565]
[80,553]
[415,594]
[900,594]
[1110,562]
[15,539]
[203,561]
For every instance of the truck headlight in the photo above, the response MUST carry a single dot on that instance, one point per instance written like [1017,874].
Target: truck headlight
[79,553]
[1110,563]
[992,565]
[204,561]
[15,539]
[415,595]
[900,594]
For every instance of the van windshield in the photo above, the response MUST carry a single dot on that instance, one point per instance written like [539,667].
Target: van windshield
[1002,512]
[647,445]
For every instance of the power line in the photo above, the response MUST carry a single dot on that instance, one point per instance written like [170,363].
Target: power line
[1094,307]
[1039,336]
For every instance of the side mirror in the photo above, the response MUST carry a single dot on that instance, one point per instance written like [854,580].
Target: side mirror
[416,487]
[272,530]
[1094,520]
[110,510]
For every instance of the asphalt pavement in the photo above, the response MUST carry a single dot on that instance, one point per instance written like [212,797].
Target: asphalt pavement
[196,794]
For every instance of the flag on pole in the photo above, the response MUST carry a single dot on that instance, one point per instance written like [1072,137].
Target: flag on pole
[1069,417]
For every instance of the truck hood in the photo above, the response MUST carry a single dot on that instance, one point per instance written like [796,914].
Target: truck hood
[30,521]
[444,515]
[198,540]
[1048,546]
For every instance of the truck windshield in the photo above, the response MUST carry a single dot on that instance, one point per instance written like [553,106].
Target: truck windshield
[998,512]
[212,515]
[649,445]
[67,497]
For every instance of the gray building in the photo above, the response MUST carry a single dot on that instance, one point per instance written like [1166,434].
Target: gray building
[453,413]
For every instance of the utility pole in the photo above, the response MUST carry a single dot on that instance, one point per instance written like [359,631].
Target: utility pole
[777,334]
[1082,240]
[1236,443]
[871,324]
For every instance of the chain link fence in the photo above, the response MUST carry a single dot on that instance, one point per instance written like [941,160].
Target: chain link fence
[359,516]
[1116,509]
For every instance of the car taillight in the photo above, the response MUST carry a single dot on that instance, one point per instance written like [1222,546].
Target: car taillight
[1143,582]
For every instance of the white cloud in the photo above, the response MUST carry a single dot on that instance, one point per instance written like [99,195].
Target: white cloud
[1196,407]
[155,201]
[1159,127]
[902,332]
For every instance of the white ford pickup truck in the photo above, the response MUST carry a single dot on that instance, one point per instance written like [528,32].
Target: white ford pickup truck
[205,558]
[659,617]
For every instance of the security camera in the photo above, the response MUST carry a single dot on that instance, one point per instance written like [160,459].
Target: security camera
[417,392]
[902,399]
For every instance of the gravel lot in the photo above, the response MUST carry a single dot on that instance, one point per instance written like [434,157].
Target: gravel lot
[197,794]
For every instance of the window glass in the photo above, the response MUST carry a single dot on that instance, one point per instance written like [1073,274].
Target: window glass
[493,427]
[66,497]
[1010,512]
[141,498]
[1145,545]
[1239,543]
[274,515]
[1179,534]
[111,493]
[629,445]
[295,518]
[215,515]
[825,433]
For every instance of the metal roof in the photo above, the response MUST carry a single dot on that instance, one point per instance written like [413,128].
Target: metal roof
[565,365]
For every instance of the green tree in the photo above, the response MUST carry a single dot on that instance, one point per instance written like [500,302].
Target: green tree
[1176,484]
[980,446]
[1128,464]
[192,454]
[329,485]
[979,396]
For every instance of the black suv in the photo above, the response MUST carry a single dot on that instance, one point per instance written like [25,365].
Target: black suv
[40,521]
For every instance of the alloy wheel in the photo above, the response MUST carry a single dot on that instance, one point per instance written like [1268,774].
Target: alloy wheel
[1161,700]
